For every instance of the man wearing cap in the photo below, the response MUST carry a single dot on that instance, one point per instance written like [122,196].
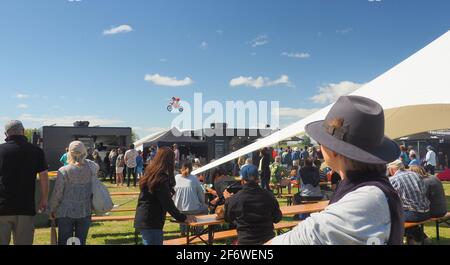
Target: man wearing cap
[365,209]
[20,162]
[413,194]
[253,210]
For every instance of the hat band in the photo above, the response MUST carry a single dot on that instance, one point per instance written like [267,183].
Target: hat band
[342,134]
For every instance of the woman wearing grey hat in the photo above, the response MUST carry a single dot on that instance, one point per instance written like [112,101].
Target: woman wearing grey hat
[365,208]
[71,202]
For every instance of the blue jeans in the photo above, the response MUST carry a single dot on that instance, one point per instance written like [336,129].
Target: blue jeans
[73,227]
[152,237]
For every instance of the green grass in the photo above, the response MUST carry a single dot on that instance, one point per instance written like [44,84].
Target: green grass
[122,233]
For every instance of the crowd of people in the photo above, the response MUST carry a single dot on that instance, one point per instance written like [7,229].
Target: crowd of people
[118,164]
[375,186]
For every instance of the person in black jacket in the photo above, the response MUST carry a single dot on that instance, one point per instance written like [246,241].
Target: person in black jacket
[264,167]
[252,209]
[155,200]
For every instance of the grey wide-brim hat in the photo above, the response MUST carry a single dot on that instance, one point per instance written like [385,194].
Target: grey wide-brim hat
[361,136]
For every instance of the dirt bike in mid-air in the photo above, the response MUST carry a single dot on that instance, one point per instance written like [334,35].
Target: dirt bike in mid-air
[175,104]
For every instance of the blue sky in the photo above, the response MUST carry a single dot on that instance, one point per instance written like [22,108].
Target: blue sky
[64,60]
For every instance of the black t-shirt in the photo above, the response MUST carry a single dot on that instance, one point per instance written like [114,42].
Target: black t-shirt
[20,162]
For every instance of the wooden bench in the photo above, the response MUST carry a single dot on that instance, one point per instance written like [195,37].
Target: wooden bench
[223,235]
[438,221]
[112,218]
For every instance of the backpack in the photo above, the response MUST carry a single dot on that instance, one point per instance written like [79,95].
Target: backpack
[101,199]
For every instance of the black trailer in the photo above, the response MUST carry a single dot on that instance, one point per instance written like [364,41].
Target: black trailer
[54,139]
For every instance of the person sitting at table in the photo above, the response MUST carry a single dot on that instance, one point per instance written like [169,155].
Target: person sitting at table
[309,182]
[189,196]
[411,189]
[435,192]
[253,210]
[365,207]
[220,182]
[155,199]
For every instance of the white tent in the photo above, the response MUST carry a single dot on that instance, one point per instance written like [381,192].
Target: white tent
[139,145]
[414,94]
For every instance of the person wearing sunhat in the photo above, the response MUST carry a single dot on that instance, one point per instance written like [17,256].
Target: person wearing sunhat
[365,208]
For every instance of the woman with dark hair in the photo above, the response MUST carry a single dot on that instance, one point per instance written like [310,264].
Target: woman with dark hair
[155,200]
[309,181]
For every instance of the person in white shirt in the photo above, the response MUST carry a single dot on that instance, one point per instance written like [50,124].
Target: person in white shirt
[430,160]
[130,162]
[189,195]
[365,208]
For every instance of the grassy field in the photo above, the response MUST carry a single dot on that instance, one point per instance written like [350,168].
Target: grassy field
[122,233]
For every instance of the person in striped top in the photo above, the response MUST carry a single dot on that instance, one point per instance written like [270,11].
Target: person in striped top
[412,191]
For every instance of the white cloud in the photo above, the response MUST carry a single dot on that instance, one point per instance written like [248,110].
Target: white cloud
[344,31]
[22,96]
[67,120]
[260,81]
[374,0]
[204,45]
[296,113]
[296,55]
[163,60]
[117,30]
[219,31]
[22,106]
[329,93]
[168,81]
[260,40]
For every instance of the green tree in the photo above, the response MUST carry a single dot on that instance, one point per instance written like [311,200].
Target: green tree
[306,140]
[134,136]
[29,134]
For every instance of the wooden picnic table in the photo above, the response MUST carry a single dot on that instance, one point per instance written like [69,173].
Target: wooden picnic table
[304,208]
[211,221]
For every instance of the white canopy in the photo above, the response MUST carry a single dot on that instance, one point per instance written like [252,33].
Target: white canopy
[139,145]
[414,94]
